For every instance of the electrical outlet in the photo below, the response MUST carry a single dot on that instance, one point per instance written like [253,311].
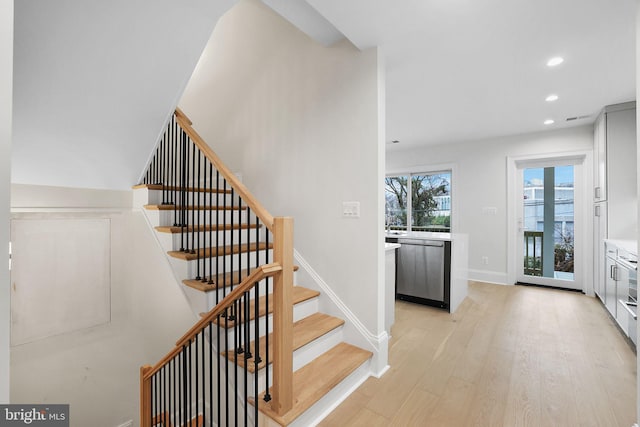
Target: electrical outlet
[485,260]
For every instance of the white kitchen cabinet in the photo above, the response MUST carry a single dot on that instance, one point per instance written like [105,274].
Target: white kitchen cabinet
[599,232]
[615,186]
[622,294]
[622,199]
[600,158]
[610,299]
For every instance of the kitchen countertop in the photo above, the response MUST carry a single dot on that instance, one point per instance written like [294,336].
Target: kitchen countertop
[630,246]
[426,235]
[391,246]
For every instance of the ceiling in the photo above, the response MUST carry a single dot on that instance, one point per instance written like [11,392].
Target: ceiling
[461,70]
[94,82]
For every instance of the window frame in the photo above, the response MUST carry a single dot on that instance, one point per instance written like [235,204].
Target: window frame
[426,170]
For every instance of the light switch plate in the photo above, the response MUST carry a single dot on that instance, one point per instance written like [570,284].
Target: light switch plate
[489,211]
[351,209]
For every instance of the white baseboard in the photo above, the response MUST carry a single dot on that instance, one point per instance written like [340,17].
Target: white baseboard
[495,277]
[378,344]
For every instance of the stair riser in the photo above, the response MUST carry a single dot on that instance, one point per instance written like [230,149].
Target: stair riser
[168,218]
[173,242]
[226,264]
[300,311]
[155,197]
[302,356]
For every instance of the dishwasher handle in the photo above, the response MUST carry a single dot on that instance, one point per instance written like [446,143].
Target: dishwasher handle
[420,242]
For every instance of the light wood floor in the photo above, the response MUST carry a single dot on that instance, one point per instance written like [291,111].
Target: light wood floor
[511,356]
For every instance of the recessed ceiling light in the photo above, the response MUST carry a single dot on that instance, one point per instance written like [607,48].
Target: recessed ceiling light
[549,122]
[551,98]
[555,61]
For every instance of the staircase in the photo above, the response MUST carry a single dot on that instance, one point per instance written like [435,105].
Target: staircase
[260,339]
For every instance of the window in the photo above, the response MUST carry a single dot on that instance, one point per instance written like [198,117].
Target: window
[419,202]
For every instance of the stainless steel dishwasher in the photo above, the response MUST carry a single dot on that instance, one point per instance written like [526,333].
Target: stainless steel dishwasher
[423,271]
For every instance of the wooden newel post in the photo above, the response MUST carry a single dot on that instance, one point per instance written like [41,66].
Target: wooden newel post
[145,397]
[282,390]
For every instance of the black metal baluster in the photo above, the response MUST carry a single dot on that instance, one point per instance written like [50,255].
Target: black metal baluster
[183,179]
[218,276]
[189,363]
[235,227]
[267,395]
[165,399]
[176,164]
[186,192]
[153,168]
[185,394]
[171,163]
[226,363]
[211,372]
[211,223]
[247,356]
[159,178]
[162,393]
[204,377]
[219,368]
[196,225]
[172,390]
[207,224]
[192,185]
[165,170]
[224,237]
[196,372]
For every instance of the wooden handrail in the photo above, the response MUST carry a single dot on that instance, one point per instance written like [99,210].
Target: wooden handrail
[257,275]
[235,183]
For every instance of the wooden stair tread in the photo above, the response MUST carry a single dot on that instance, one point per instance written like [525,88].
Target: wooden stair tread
[178,188]
[299,295]
[192,207]
[304,331]
[317,378]
[226,280]
[220,251]
[176,229]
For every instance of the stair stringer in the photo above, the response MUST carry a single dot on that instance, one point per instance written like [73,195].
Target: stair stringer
[354,331]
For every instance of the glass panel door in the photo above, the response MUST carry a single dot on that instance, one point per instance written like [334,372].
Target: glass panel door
[548,226]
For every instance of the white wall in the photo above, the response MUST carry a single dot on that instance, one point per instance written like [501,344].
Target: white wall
[95,82]
[6,89]
[96,370]
[304,125]
[481,181]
